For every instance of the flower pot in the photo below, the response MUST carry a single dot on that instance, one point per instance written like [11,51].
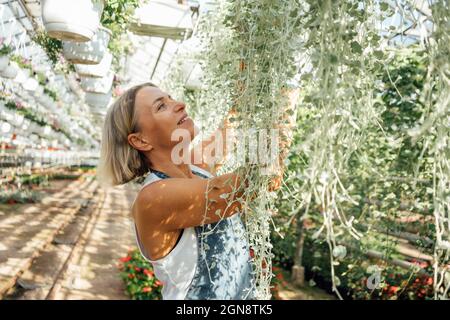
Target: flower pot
[150,19]
[25,125]
[97,85]
[38,92]
[98,101]
[74,20]
[22,76]
[31,84]
[192,74]
[18,120]
[10,72]
[90,52]
[5,127]
[4,61]
[95,70]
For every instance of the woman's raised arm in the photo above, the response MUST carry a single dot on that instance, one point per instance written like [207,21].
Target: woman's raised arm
[178,203]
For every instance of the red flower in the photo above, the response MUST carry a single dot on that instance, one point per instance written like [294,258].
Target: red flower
[146,289]
[280,276]
[131,276]
[158,283]
[393,289]
[429,281]
[252,253]
[137,269]
[148,272]
[125,259]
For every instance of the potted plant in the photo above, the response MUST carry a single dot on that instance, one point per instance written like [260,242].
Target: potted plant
[97,85]
[72,20]
[22,76]
[97,100]
[90,52]
[95,70]
[5,50]
[31,84]
[116,17]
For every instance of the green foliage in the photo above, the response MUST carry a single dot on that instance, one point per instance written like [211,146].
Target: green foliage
[5,49]
[51,93]
[31,115]
[53,47]
[116,16]
[27,113]
[18,196]
[22,62]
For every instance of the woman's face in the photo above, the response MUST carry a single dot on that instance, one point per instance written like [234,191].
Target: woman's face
[159,116]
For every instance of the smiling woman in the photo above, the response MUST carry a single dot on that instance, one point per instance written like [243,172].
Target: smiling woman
[187,221]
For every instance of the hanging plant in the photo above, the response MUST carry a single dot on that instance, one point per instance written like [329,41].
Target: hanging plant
[248,56]
[434,130]
[4,48]
[116,16]
[90,52]
[54,49]
[72,20]
[52,46]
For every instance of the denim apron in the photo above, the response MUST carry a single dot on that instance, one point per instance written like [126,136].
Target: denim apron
[224,269]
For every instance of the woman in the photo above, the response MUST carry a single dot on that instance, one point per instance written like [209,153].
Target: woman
[194,253]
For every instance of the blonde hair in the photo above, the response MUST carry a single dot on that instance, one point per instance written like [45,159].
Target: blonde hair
[119,162]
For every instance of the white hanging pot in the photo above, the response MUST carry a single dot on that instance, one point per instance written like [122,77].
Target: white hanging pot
[4,61]
[39,91]
[22,76]
[31,84]
[25,125]
[96,70]
[18,120]
[192,74]
[5,127]
[34,128]
[98,100]
[90,52]
[74,20]
[47,130]
[8,115]
[10,72]
[97,85]
[162,18]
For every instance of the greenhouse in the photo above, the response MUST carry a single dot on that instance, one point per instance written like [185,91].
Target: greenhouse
[224,150]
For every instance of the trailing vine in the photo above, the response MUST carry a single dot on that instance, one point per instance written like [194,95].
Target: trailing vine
[434,129]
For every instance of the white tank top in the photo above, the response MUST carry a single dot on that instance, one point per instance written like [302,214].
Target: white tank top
[175,270]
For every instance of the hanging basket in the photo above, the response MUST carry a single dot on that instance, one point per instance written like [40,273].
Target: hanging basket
[31,84]
[73,20]
[192,75]
[98,101]
[10,72]
[38,92]
[150,19]
[97,85]
[22,76]
[4,61]
[95,70]
[90,52]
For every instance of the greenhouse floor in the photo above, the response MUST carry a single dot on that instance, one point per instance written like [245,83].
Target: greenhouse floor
[67,245]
